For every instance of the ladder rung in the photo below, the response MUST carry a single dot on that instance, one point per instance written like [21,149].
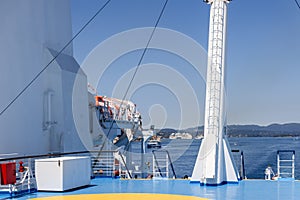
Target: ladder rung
[162,166]
[106,160]
[286,167]
[286,160]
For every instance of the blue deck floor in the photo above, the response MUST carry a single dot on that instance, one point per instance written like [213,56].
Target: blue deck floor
[247,189]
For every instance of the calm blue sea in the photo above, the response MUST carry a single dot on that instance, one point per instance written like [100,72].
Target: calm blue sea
[259,152]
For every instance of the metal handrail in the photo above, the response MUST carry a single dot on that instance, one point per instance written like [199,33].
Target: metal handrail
[243,172]
[292,161]
[242,164]
[63,154]
[128,172]
[156,162]
[169,158]
[48,155]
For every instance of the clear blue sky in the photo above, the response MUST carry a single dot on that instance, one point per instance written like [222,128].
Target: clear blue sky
[263,55]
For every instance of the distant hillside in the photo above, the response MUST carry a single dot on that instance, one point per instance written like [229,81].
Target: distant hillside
[273,130]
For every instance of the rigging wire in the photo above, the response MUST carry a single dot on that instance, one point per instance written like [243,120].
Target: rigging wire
[297,4]
[145,50]
[134,74]
[54,58]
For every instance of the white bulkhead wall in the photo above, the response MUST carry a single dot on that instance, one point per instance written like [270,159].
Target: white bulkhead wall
[29,28]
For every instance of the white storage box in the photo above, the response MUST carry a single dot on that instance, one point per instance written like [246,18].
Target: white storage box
[63,173]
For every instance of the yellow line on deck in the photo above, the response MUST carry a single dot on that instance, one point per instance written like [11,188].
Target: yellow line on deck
[122,196]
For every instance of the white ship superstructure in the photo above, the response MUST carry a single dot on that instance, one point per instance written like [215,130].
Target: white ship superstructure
[35,105]
[55,137]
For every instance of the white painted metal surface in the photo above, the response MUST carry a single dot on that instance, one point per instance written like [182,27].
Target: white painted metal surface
[214,163]
[64,173]
[32,33]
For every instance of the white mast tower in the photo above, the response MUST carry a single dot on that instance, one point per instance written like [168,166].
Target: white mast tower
[214,164]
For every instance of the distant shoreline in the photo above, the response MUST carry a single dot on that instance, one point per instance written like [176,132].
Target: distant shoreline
[276,136]
[273,130]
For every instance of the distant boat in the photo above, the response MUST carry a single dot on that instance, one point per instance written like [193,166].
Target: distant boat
[186,136]
[153,144]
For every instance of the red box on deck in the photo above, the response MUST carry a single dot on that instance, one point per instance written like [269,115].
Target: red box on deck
[8,173]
